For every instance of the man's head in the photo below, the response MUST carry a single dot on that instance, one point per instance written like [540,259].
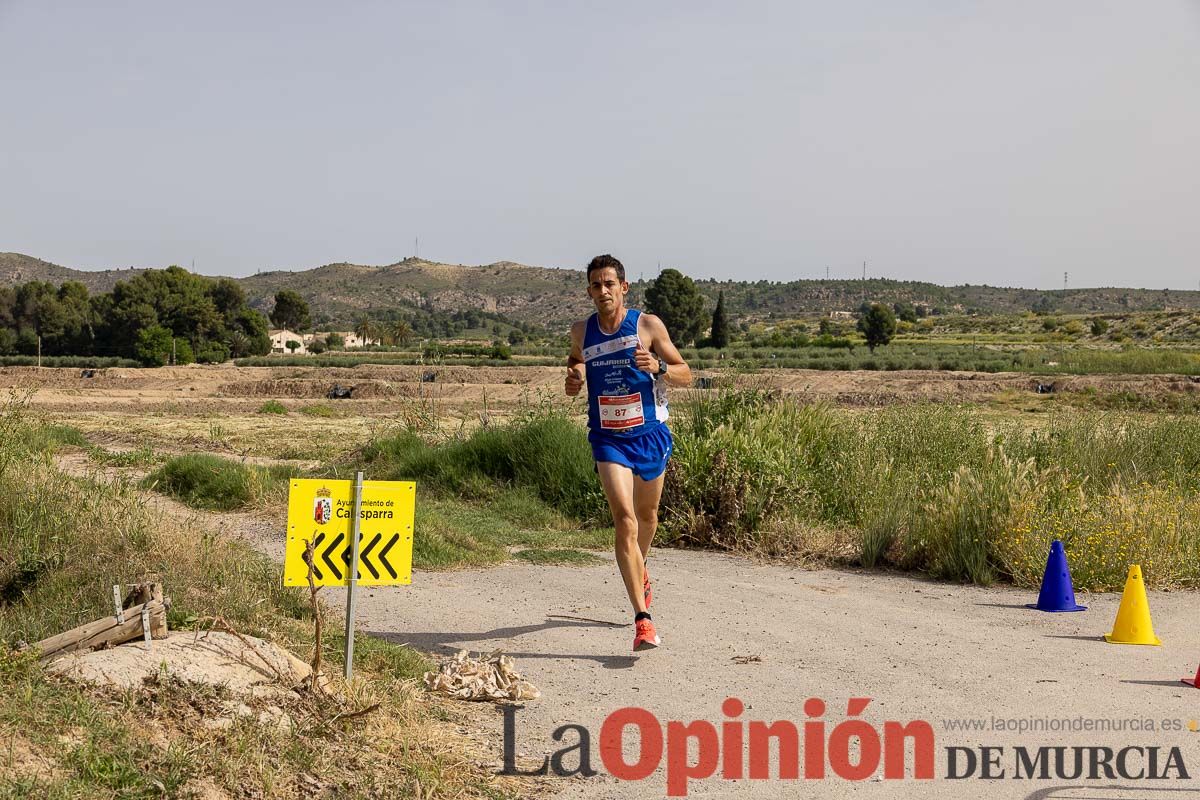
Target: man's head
[606,283]
[604,262]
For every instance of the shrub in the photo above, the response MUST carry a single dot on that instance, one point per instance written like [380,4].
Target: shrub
[546,452]
[153,346]
[272,407]
[741,457]
[206,481]
[954,534]
[212,352]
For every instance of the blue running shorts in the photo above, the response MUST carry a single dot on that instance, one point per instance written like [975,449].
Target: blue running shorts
[645,453]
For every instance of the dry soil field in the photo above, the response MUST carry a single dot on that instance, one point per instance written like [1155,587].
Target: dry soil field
[217,408]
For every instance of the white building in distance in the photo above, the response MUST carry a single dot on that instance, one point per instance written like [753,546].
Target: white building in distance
[280,338]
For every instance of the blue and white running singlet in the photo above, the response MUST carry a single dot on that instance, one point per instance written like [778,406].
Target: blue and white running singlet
[622,399]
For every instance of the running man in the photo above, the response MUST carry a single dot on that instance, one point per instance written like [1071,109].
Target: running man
[627,359]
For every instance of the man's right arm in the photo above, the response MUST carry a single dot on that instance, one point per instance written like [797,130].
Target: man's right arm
[574,378]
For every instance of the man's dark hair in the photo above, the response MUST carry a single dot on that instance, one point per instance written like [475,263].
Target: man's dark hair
[603,262]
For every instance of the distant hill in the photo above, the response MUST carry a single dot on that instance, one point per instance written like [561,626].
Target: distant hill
[18,268]
[341,293]
[797,297]
[347,291]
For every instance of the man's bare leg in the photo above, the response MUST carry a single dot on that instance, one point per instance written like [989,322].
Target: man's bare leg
[646,495]
[618,483]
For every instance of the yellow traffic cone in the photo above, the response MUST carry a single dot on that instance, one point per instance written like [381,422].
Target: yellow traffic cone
[1133,625]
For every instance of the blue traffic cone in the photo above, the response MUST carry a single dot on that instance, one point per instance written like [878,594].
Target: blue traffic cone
[1057,593]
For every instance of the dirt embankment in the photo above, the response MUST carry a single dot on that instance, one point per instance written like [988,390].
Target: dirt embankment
[508,384]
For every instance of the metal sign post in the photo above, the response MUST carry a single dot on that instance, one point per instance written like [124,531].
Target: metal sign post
[352,574]
[361,533]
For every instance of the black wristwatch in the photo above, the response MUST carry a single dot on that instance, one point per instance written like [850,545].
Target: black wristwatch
[662,367]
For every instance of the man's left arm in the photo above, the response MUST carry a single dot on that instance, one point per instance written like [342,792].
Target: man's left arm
[677,373]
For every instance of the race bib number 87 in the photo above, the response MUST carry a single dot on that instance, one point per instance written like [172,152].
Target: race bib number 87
[622,411]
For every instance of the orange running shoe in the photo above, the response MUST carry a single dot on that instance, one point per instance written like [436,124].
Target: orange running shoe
[647,592]
[646,637]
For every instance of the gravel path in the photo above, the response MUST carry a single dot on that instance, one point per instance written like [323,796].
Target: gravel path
[920,650]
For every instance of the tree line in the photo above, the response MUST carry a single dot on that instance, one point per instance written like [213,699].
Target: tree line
[174,316]
[157,317]
[675,298]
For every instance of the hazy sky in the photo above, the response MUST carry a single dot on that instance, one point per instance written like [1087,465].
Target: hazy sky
[985,142]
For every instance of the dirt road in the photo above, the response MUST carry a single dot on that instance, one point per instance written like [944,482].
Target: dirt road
[920,650]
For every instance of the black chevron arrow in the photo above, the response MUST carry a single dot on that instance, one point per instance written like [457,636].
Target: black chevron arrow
[383,555]
[346,559]
[366,552]
[315,544]
[329,551]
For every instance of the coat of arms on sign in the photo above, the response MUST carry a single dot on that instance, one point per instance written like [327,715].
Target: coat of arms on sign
[322,506]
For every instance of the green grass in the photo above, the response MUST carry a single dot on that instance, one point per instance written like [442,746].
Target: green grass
[272,407]
[18,440]
[452,533]
[139,457]
[377,656]
[1131,361]
[1091,398]
[219,484]
[538,555]
[30,438]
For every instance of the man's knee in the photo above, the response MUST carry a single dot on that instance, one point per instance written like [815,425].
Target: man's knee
[627,531]
[625,522]
[647,517]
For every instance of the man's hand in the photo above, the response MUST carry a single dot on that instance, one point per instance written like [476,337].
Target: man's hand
[645,362]
[574,381]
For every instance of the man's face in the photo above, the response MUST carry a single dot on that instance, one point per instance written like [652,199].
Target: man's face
[606,289]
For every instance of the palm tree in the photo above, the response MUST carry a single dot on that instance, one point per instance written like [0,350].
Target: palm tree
[366,330]
[399,332]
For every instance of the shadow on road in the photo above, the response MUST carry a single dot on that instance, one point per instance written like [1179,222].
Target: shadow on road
[447,643]
[1156,683]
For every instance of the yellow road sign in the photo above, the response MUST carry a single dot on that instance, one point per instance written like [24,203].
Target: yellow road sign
[321,511]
